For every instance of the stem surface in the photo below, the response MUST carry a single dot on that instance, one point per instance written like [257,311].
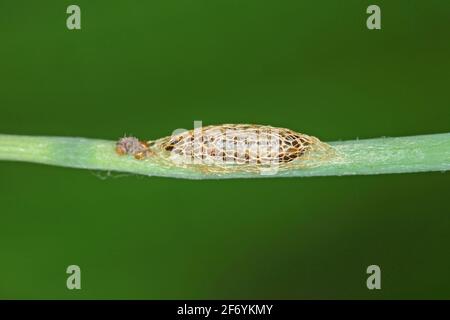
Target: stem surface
[371,156]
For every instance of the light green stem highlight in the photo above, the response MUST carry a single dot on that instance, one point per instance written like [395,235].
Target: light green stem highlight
[371,156]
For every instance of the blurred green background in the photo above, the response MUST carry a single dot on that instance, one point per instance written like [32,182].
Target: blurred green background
[147,68]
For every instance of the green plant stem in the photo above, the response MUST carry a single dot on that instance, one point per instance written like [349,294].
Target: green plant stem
[371,156]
